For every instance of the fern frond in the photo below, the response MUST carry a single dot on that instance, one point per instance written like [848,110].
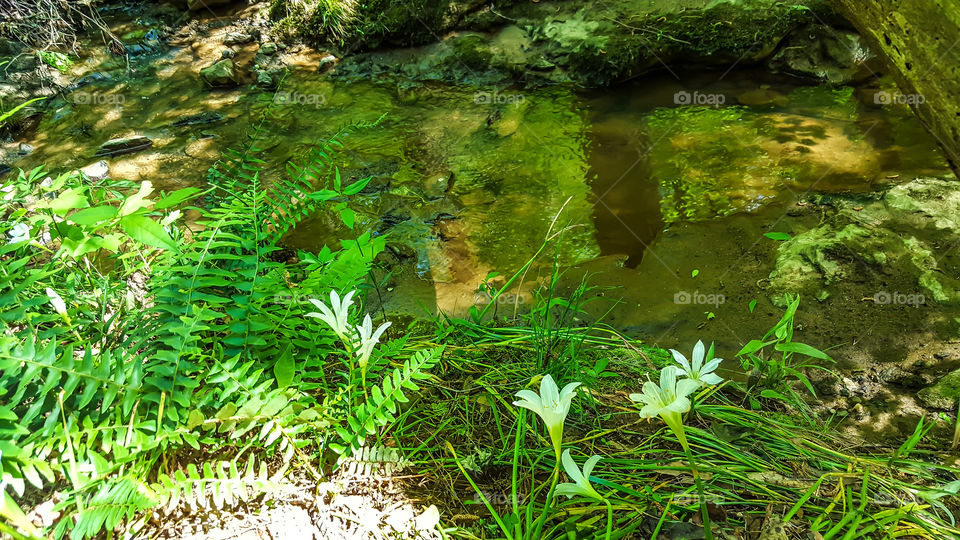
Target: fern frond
[218,485]
[381,407]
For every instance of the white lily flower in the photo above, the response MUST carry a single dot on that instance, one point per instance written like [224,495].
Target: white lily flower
[695,368]
[668,400]
[368,339]
[19,233]
[335,315]
[551,405]
[171,217]
[581,480]
[58,304]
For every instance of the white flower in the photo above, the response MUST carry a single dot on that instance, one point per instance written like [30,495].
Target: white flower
[581,480]
[695,368]
[368,339]
[668,400]
[669,396]
[171,217]
[58,304]
[336,315]
[19,233]
[551,405]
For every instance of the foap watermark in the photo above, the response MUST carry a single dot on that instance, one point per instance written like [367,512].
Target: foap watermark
[498,498]
[296,98]
[896,98]
[292,299]
[496,98]
[696,98]
[698,298]
[97,98]
[885,298]
[692,499]
[485,297]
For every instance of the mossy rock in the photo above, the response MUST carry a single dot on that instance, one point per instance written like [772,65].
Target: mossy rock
[943,394]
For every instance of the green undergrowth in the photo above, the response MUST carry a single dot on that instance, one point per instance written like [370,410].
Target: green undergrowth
[764,468]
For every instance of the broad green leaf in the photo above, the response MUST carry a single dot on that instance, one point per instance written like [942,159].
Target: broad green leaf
[194,419]
[93,216]
[802,348]
[284,369]
[782,236]
[348,217]
[145,230]
[176,198]
[754,346]
[70,199]
[357,186]
[137,200]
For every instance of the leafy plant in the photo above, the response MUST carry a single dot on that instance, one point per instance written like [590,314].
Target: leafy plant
[772,373]
[57,60]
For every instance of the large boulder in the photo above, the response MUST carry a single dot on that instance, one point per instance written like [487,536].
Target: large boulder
[827,54]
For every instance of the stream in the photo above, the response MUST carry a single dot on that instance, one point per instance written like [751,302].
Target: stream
[664,187]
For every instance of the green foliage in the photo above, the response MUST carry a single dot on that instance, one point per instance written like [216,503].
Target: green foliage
[772,373]
[56,60]
[102,378]
[380,408]
[6,115]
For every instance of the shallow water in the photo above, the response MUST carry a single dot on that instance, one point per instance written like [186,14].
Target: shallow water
[662,204]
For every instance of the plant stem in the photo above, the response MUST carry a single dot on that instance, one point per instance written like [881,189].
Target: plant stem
[609,519]
[704,512]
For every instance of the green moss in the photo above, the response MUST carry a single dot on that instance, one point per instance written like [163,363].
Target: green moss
[361,25]
[472,50]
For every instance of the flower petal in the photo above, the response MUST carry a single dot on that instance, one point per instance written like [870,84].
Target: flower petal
[711,378]
[668,379]
[589,465]
[549,395]
[686,387]
[569,391]
[568,489]
[711,365]
[680,405]
[681,359]
[698,351]
[570,467]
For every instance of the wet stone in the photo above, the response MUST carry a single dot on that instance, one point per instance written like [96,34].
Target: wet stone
[125,145]
[237,38]
[220,74]
[97,171]
[206,117]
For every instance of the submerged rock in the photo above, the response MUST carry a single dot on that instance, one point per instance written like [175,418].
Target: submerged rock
[220,74]
[206,117]
[237,38]
[125,145]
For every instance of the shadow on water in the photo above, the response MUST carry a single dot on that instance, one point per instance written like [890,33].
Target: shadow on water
[626,200]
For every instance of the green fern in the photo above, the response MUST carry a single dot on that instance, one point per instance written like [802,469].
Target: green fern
[381,407]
